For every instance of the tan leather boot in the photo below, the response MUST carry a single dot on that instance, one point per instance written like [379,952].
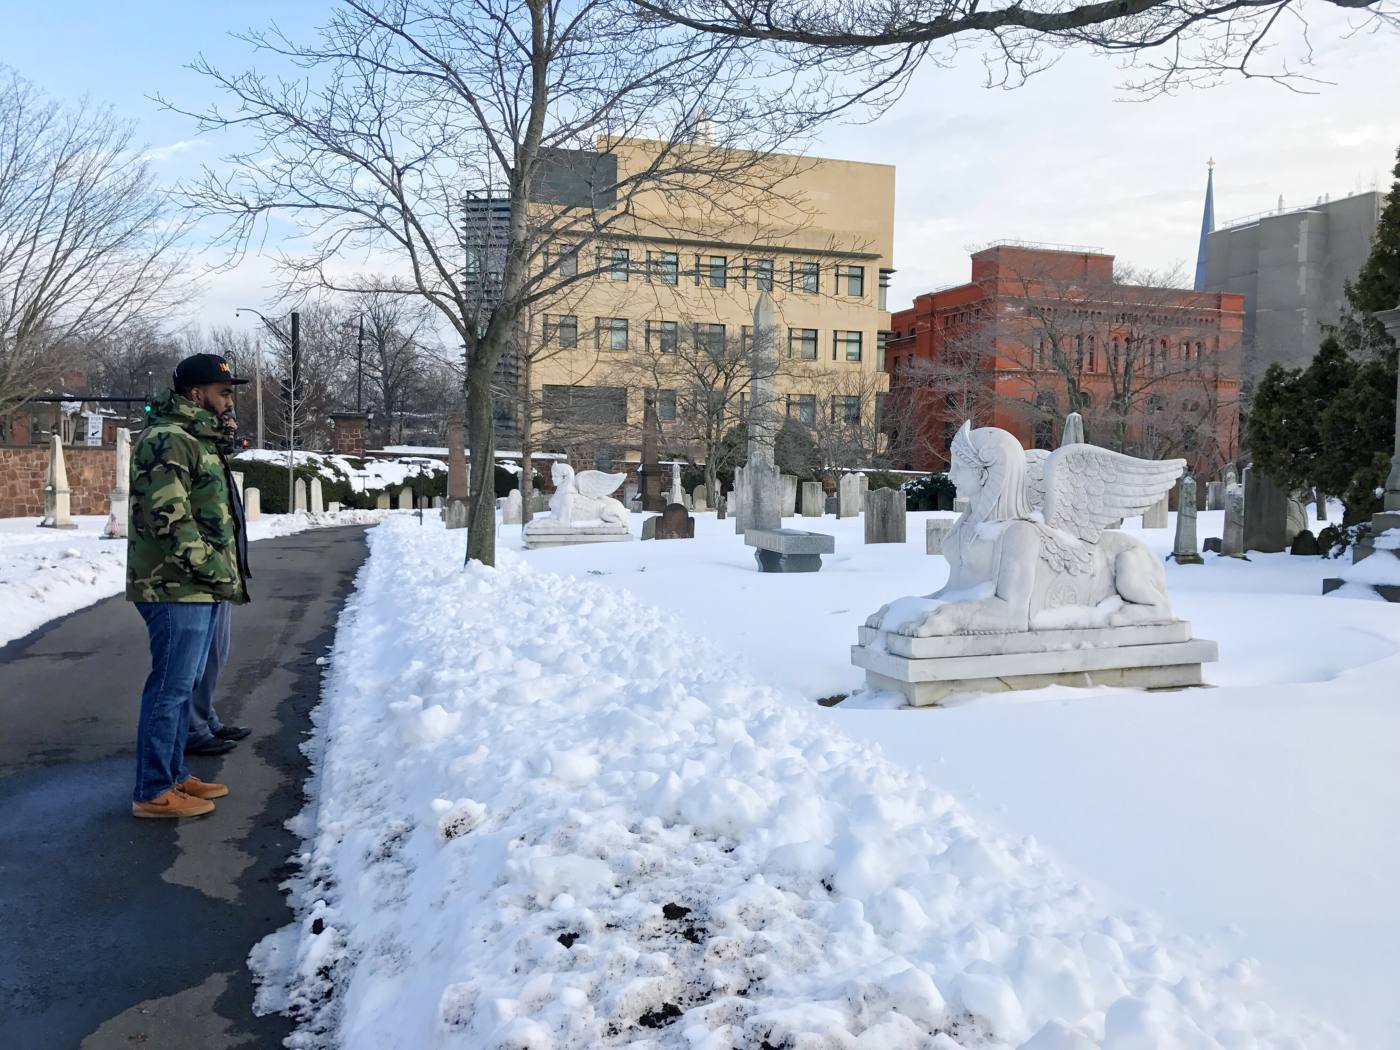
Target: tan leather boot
[171,804]
[196,788]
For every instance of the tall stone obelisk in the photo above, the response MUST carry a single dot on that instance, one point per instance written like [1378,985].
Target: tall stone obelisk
[121,494]
[762,498]
[57,513]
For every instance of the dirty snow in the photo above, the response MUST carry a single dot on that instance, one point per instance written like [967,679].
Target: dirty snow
[549,811]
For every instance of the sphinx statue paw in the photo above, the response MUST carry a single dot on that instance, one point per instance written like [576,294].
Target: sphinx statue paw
[875,619]
[940,621]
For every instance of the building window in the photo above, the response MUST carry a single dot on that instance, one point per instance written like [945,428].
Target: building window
[745,338]
[1093,363]
[881,341]
[850,280]
[885,288]
[612,333]
[806,277]
[845,408]
[1079,353]
[763,275]
[803,408]
[716,266]
[850,343]
[663,336]
[592,404]
[710,337]
[619,262]
[666,405]
[664,267]
[561,329]
[802,343]
[568,262]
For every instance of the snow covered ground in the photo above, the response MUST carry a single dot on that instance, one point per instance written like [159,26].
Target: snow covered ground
[48,573]
[585,799]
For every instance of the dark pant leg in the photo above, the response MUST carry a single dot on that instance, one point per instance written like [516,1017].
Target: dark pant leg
[179,637]
[204,720]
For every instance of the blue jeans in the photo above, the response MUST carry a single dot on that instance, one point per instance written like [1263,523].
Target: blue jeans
[204,720]
[179,634]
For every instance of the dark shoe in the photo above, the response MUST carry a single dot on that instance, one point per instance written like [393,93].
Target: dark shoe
[212,746]
[232,732]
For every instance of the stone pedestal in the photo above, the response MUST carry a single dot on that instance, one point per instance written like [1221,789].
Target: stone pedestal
[813,499]
[884,516]
[252,504]
[546,532]
[928,670]
[318,497]
[381,502]
[935,532]
[789,550]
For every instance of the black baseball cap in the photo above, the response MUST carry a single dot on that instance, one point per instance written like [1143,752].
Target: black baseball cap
[200,369]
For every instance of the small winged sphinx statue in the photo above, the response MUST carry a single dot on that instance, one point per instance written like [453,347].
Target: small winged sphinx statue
[586,497]
[1037,548]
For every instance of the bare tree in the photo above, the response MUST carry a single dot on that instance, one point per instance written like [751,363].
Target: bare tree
[87,242]
[851,428]
[491,148]
[878,46]
[391,333]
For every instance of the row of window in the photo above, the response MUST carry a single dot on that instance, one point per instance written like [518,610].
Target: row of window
[718,271]
[1155,357]
[615,333]
[608,404]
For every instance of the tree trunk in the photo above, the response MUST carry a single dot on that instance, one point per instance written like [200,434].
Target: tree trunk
[481,440]
[527,439]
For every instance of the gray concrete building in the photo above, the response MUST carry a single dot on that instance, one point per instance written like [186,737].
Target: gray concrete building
[1291,267]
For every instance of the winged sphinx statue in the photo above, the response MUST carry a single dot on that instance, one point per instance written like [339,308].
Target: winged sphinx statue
[1037,548]
[586,496]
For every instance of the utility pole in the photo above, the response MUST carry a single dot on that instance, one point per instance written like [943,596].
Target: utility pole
[360,366]
[257,388]
[292,413]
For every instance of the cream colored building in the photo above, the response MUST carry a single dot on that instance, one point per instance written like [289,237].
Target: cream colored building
[689,266]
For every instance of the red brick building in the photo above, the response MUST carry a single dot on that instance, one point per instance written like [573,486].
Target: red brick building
[1042,331]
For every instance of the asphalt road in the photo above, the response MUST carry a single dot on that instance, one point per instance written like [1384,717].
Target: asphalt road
[117,932]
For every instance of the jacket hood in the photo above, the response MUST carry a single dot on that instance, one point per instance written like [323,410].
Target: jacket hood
[170,408]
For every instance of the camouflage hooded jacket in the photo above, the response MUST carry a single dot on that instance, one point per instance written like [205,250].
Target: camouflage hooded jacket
[185,531]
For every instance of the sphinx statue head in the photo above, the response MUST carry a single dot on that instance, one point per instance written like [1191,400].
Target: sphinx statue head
[988,468]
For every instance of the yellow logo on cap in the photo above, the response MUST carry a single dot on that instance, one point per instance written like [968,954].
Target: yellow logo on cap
[223,366]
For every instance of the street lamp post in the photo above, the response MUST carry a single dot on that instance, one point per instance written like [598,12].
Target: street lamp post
[294,344]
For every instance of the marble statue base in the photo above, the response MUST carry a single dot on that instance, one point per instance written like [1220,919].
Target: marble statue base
[928,670]
[546,532]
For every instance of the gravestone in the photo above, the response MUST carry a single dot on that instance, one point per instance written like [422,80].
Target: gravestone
[864,488]
[1232,537]
[455,514]
[813,500]
[736,501]
[512,508]
[631,494]
[1156,515]
[1073,434]
[960,505]
[252,504]
[405,498]
[677,493]
[1211,544]
[458,482]
[299,498]
[675,524]
[848,502]
[318,497]
[1295,520]
[381,502]
[1305,544]
[439,503]
[333,507]
[721,508]
[833,505]
[936,531]
[700,498]
[539,503]
[423,503]
[1184,548]
[787,495]
[649,527]
[58,512]
[120,500]
[1229,477]
[1215,495]
[1265,514]
[884,516]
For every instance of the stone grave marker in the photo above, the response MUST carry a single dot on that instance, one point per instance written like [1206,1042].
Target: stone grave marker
[333,507]
[512,508]
[381,502]
[119,505]
[884,516]
[700,498]
[318,497]
[848,500]
[1184,549]
[787,495]
[1232,538]
[813,500]
[299,496]
[455,514]
[252,504]
[405,498]
[936,531]
[675,523]
[1265,514]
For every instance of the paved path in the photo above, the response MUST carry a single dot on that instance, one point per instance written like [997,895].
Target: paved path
[116,932]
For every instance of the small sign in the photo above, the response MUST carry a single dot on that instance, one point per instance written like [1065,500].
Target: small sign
[94,429]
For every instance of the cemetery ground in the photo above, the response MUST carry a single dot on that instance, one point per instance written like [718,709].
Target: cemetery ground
[589,798]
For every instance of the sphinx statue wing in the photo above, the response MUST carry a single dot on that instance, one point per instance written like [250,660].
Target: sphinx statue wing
[1088,488]
[1035,477]
[597,484]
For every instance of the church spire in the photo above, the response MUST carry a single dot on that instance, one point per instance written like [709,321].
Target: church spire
[1207,225]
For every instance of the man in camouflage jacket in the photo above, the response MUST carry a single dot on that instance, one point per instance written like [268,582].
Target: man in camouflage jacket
[186,558]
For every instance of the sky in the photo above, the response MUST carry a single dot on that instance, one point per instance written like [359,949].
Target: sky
[1068,158]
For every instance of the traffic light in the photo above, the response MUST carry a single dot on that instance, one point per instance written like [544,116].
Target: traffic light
[146,408]
[245,443]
